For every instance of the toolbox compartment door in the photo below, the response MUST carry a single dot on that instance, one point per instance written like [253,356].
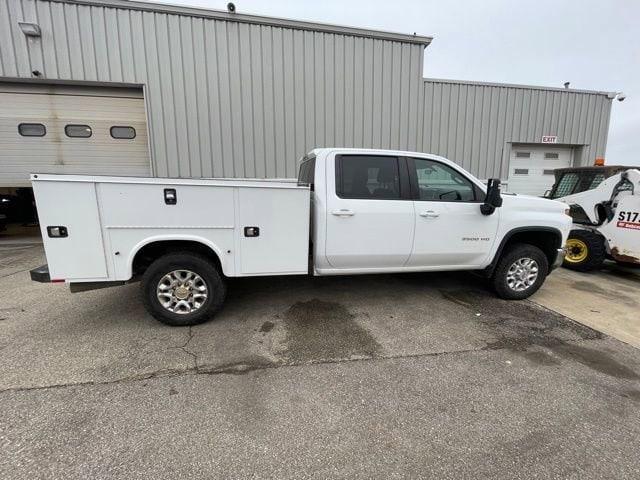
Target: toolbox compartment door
[273,231]
[79,255]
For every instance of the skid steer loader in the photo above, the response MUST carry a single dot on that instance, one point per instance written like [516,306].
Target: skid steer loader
[604,203]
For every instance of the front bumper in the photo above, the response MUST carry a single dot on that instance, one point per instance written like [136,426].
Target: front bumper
[41,274]
[559,258]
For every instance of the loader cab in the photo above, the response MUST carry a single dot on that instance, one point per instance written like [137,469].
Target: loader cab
[571,180]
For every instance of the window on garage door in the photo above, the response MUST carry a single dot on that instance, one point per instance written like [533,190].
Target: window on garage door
[32,130]
[78,131]
[122,132]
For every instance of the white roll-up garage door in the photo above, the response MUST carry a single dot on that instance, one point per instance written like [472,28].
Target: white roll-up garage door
[531,167]
[68,129]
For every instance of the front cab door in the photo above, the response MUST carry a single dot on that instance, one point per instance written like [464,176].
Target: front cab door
[370,213]
[450,231]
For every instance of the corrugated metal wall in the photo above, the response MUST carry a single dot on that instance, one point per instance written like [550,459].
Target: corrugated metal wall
[225,98]
[247,99]
[474,124]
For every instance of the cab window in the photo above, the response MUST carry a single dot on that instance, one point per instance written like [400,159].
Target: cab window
[437,182]
[371,177]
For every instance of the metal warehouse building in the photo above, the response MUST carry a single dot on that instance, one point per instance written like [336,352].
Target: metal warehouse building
[121,87]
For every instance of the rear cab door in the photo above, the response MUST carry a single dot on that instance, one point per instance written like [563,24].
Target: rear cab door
[369,214]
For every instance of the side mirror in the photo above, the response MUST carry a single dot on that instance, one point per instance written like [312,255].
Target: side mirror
[493,199]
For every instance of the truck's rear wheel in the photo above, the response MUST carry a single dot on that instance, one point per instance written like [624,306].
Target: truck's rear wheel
[585,251]
[520,272]
[182,289]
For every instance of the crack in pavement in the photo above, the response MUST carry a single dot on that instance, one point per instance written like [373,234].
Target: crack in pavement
[190,336]
[239,368]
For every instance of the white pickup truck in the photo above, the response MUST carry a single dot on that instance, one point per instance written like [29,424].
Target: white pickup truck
[351,211]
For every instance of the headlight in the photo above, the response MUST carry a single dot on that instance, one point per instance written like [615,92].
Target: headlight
[5,200]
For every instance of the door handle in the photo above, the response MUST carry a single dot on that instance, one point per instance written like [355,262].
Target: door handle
[343,212]
[429,214]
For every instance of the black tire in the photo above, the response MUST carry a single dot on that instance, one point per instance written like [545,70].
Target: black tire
[593,255]
[512,254]
[198,264]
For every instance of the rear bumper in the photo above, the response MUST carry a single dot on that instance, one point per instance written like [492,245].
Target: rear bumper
[559,258]
[40,274]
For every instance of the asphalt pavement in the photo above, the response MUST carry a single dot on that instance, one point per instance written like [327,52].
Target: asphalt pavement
[389,376]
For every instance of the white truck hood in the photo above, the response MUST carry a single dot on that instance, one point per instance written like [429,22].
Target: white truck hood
[529,202]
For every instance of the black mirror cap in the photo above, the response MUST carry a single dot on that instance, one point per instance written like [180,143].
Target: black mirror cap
[493,199]
[487,209]
[493,192]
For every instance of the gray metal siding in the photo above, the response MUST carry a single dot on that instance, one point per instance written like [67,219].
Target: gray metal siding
[244,96]
[227,98]
[474,124]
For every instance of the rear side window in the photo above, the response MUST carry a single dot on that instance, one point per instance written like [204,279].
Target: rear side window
[367,177]
[32,130]
[78,131]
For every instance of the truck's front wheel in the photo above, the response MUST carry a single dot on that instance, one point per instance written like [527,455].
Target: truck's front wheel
[182,289]
[520,272]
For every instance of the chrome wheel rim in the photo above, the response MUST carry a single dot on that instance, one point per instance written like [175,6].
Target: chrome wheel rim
[182,292]
[522,274]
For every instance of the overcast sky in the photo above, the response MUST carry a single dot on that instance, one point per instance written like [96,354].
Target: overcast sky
[594,44]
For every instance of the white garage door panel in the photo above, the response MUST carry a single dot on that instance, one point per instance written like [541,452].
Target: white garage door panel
[533,174]
[57,107]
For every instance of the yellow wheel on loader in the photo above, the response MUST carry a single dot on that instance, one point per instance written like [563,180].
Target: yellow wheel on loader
[577,251]
[585,250]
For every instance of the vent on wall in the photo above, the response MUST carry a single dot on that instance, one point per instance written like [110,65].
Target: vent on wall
[523,154]
[547,172]
[551,156]
[521,171]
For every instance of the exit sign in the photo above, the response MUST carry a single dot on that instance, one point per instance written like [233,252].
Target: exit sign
[549,139]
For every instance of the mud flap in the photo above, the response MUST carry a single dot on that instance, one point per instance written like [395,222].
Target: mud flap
[40,274]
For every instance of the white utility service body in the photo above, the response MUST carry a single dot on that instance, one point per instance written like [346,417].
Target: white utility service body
[110,219]
[352,211]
